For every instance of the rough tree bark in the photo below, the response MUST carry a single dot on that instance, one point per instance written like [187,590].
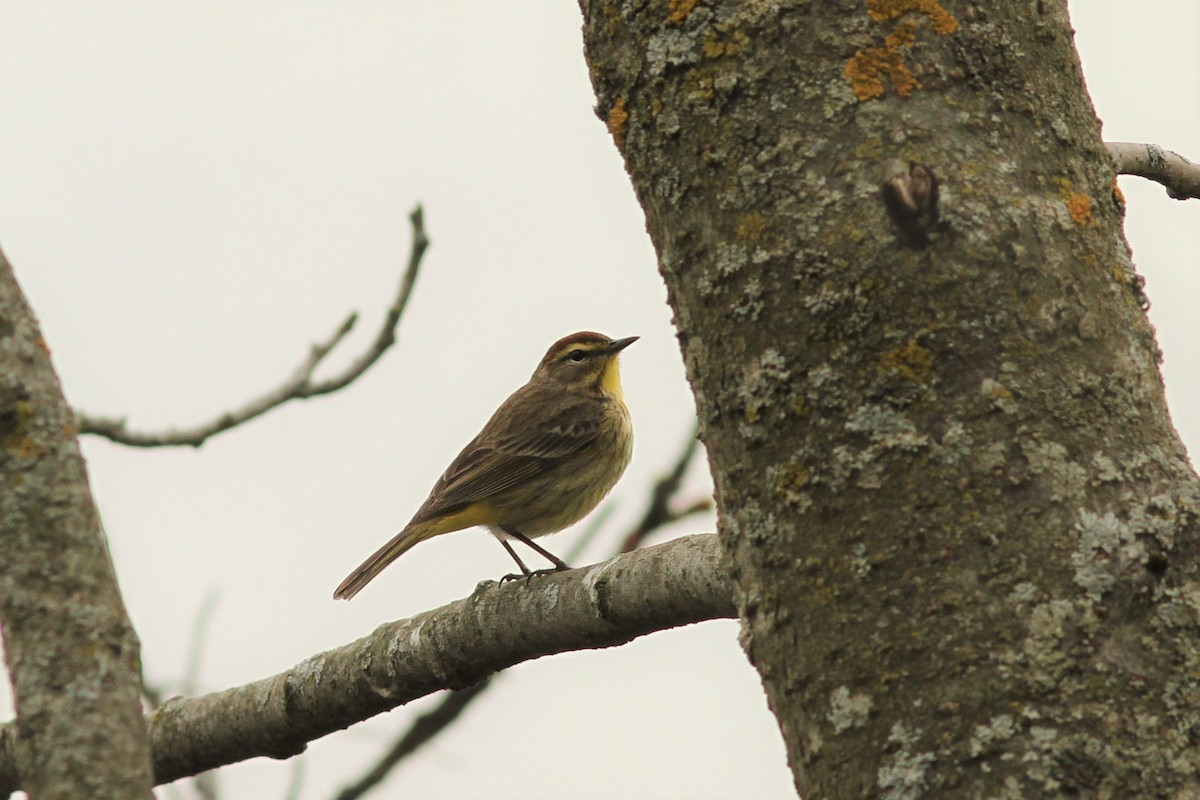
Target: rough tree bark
[72,655]
[962,529]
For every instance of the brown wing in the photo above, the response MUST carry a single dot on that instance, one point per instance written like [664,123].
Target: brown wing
[532,441]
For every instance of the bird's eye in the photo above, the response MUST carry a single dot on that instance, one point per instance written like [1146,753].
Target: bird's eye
[576,356]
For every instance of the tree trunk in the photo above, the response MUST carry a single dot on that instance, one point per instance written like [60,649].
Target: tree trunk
[71,652]
[962,528]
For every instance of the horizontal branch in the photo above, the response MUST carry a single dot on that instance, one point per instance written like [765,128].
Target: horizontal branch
[1180,176]
[659,513]
[498,625]
[299,386]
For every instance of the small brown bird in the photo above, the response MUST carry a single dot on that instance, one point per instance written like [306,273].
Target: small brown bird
[546,458]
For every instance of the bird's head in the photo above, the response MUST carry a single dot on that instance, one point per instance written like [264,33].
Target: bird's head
[585,361]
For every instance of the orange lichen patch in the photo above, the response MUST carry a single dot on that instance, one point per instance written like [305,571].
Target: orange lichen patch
[866,69]
[941,20]
[678,10]
[698,85]
[1118,196]
[24,447]
[41,343]
[909,360]
[750,227]
[618,121]
[794,476]
[722,43]
[1079,206]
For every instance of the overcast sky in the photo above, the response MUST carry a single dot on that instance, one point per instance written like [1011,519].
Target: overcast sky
[193,193]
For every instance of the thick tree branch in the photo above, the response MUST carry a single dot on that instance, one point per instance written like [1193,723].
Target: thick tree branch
[300,385]
[72,654]
[1180,176]
[672,584]
[916,633]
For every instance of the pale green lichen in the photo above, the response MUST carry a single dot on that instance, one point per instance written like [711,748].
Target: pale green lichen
[1106,471]
[906,776]
[310,671]
[730,259]
[1044,659]
[994,456]
[750,304]
[672,47]
[859,561]
[760,383]
[1023,592]
[823,300]
[1105,543]
[998,395]
[886,427]
[985,738]
[847,711]
[1067,478]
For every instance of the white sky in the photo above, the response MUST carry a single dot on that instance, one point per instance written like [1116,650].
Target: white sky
[193,193]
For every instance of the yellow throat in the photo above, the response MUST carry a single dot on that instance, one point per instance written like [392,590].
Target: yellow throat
[610,379]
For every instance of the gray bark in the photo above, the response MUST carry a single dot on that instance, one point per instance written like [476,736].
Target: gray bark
[669,585]
[962,530]
[72,655]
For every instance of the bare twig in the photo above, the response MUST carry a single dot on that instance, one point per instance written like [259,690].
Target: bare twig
[1180,176]
[299,386]
[195,654]
[426,726]
[680,582]
[205,784]
[658,513]
[295,780]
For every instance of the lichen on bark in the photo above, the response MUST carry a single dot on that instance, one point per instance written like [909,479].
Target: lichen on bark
[948,484]
[71,652]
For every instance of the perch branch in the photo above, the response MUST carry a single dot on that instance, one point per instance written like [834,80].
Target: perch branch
[452,647]
[658,514]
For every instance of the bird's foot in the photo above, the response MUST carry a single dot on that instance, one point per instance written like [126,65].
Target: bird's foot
[516,576]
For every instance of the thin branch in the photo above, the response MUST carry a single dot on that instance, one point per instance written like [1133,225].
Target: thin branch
[195,653]
[676,583]
[658,514]
[1180,176]
[204,784]
[300,385]
[295,780]
[426,727]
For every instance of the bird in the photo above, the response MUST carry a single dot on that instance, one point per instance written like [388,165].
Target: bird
[547,457]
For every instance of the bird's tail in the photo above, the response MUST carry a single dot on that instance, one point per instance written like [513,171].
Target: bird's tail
[366,571]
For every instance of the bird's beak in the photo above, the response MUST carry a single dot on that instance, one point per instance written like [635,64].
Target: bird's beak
[620,344]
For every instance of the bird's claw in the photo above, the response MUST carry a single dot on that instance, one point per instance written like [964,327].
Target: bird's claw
[515,576]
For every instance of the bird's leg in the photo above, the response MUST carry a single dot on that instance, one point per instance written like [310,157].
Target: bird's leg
[527,573]
[512,576]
